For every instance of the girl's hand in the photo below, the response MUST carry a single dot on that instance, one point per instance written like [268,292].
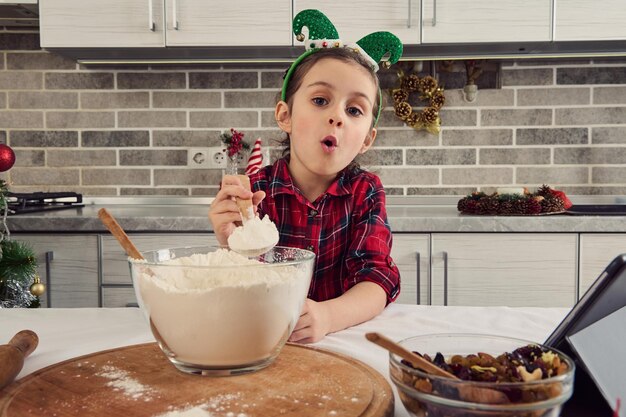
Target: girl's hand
[313,324]
[224,213]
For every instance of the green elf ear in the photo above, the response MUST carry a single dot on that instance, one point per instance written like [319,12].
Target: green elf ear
[376,45]
[321,30]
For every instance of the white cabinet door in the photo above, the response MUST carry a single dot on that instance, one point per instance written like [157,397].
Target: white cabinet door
[228,23]
[68,266]
[596,252]
[353,20]
[463,21]
[97,23]
[511,269]
[408,251]
[589,20]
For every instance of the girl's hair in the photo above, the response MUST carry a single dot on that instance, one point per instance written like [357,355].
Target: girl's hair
[340,54]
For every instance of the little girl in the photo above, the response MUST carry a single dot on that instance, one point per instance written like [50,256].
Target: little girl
[316,194]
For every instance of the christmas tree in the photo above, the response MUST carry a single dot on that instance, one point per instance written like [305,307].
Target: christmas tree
[19,283]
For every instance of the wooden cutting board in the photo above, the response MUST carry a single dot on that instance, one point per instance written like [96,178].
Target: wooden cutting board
[139,381]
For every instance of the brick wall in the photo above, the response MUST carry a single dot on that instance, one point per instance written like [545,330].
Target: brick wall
[126,130]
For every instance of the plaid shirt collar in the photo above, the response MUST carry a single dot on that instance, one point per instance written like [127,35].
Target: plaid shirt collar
[283,183]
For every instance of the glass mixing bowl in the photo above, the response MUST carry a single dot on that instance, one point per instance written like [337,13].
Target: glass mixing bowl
[215,312]
[426,395]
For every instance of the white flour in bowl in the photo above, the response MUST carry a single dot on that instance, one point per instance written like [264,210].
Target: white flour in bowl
[223,316]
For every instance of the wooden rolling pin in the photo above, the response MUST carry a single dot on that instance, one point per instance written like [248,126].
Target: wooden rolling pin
[12,355]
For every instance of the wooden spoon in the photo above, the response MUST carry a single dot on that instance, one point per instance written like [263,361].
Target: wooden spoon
[245,205]
[13,354]
[116,230]
[469,393]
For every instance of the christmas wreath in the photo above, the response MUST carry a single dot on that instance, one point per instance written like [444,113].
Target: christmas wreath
[544,201]
[429,90]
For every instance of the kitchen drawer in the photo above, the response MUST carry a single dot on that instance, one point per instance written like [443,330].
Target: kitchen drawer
[118,297]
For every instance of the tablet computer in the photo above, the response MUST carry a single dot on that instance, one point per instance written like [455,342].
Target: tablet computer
[606,295]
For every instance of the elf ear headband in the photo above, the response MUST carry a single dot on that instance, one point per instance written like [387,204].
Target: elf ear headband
[322,34]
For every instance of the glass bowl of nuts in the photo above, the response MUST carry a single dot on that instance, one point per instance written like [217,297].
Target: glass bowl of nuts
[496,376]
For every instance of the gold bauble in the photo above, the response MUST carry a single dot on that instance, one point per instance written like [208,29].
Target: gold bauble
[37,288]
[300,37]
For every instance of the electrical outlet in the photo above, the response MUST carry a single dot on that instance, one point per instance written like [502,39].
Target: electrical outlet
[208,158]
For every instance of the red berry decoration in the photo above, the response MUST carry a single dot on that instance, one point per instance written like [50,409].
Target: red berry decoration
[7,157]
[561,195]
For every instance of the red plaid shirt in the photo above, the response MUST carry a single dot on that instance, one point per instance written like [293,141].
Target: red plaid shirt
[346,227]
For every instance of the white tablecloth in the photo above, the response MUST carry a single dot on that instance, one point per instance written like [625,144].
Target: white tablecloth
[68,333]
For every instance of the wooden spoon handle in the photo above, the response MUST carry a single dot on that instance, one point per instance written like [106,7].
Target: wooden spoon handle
[416,360]
[26,341]
[245,205]
[116,230]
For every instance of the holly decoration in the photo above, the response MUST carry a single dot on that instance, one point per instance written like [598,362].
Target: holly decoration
[544,201]
[234,142]
[7,157]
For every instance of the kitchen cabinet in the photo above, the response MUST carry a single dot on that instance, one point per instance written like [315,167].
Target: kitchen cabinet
[355,20]
[510,269]
[411,253]
[596,251]
[587,20]
[68,266]
[461,21]
[160,23]
[117,290]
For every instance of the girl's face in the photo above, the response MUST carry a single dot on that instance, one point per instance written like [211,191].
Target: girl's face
[330,119]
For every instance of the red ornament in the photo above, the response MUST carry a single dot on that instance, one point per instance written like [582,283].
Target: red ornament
[7,157]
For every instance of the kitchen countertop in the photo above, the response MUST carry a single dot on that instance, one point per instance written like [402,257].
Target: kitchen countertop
[69,333]
[405,214]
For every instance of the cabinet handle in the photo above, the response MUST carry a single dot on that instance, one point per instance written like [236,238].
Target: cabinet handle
[151,25]
[434,13]
[174,15]
[445,278]
[408,25]
[419,295]
[49,258]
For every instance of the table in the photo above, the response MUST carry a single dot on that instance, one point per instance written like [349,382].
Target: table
[67,333]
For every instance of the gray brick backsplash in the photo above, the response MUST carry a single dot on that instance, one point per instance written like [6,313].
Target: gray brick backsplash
[247,99]
[591,75]
[487,98]
[114,100]
[527,76]
[545,175]
[475,176]
[109,176]
[29,158]
[79,119]
[608,175]
[220,80]
[21,119]
[79,158]
[609,95]
[517,117]
[607,135]
[148,157]
[441,156]
[553,96]
[115,138]
[195,99]
[590,155]
[590,116]
[175,176]
[190,138]
[381,157]
[408,176]
[43,139]
[21,80]
[39,61]
[552,136]
[150,81]
[521,156]
[220,119]
[42,100]
[78,81]
[44,176]
[161,118]
[471,137]
[111,130]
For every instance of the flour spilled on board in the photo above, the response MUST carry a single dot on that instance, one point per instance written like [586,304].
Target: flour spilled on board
[214,407]
[120,380]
